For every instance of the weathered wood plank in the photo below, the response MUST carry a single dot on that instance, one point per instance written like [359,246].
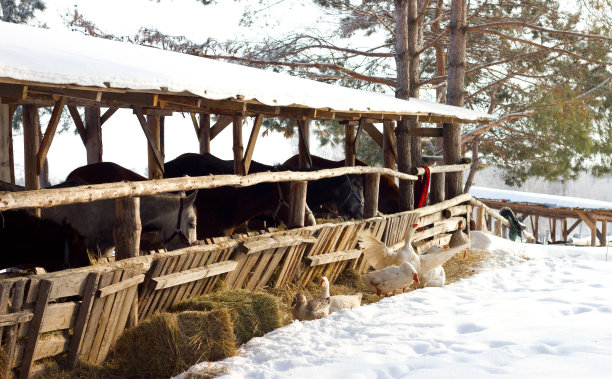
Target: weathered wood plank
[273,242]
[44,293]
[333,257]
[15,318]
[113,288]
[10,340]
[193,274]
[83,317]
[50,132]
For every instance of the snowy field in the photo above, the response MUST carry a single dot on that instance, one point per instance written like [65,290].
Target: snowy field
[548,316]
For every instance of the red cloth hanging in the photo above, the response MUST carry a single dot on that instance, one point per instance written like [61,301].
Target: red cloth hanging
[421,189]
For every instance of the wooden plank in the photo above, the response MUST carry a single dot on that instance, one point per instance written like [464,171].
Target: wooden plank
[333,257]
[5,288]
[374,133]
[78,122]
[103,320]
[277,256]
[82,318]
[44,293]
[113,318]
[151,138]
[125,311]
[113,288]
[109,112]
[50,132]
[222,123]
[91,328]
[193,274]
[245,270]
[273,242]
[180,290]
[248,154]
[264,260]
[48,346]
[15,318]
[10,339]
[169,294]
[425,132]
[151,300]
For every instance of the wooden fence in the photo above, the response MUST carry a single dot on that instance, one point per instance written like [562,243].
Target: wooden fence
[80,312]
[487,220]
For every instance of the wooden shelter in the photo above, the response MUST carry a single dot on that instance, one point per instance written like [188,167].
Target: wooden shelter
[65,71]
[563,214]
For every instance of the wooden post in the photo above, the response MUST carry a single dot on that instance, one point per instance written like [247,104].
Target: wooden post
[498,228]
[388,145]
[31,143]
[604,231]
[370,195]
[93,135]
[204,135]
[29,354]
[480,219]
[436,188]
[5,143]
[297,203]
[349,145]
[127,227]
[594,234]
[536,228]
[156,169]
[553,229]
[564,229]
[162,138]
[305,160]
[238,147]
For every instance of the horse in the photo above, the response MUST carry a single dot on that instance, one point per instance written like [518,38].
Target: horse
[388,191]
[222,210]
[171,217]
[29,241]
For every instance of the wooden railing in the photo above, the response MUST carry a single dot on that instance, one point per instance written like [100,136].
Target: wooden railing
[499,223]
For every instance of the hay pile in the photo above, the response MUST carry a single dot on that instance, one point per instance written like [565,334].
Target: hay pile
[167,344]
[253,314]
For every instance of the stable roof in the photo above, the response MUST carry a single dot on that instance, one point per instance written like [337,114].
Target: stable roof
[36,64]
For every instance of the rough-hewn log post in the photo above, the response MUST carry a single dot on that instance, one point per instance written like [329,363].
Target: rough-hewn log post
[498,228]
[436,188]
[593,233]
[437,183]
[480,219]
[31,143]
[238,148]
[604,232]
[413,73]
[349,145]
[455,95]
[304,143]
[156,170]
[204,135]
[93,135]
[5,143]
[536,228]
[370,195]
[297,203]
[564,229]
[127,227]
[388,147]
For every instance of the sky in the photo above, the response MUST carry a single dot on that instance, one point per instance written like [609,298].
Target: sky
[532,311]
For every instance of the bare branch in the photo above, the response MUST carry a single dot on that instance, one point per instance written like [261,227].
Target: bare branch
[516,24]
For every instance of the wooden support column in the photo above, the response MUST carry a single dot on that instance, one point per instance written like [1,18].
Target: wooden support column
[594,234]
[237,146]
[349,145]
[436,188]
[305,159]
[297,204]
[564,229]
[31,143]
[604,231]
[498,228]
[6,133]
[553,229]
[536,227]
[204,133]
[389,152]
[370,195]
[480,219]
[248,154]
[93,135]
[156,168]
[127,227]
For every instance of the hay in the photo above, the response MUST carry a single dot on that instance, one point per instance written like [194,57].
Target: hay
[167,344]
[459,267]
[253,313]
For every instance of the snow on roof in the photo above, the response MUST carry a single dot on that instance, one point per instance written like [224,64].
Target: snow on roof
[547,201]
[63,57]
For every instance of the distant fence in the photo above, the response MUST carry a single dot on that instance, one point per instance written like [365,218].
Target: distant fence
[81,312]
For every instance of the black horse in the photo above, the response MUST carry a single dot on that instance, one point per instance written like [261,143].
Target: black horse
[223,210]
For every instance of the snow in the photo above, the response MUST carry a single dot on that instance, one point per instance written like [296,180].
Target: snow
[546,316]
[63,57]
[548,201]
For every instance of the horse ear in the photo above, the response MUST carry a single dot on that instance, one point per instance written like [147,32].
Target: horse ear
[191,197]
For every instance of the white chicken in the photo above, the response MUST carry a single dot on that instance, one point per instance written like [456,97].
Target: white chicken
[339,302]
[392,278]
[380,256]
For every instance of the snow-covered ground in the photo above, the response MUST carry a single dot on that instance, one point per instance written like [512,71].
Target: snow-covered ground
[545,316]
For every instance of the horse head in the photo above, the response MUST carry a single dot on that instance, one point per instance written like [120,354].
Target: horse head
[184,233]
[349,196]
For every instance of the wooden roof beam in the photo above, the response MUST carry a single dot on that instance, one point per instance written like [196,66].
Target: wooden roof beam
[78,122]
[50,132]
[149,134]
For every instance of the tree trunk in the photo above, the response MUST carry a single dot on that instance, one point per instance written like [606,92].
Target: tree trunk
[473,167]
[413,73]
[406,195]
[455,95]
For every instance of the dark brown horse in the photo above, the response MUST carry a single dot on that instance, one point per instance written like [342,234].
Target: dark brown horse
[171,217]
[222,210]
[28,241]
[388,192]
